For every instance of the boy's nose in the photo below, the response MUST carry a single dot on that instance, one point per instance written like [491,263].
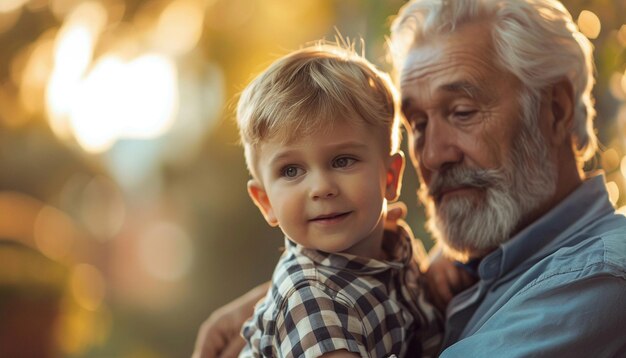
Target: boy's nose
[323,187]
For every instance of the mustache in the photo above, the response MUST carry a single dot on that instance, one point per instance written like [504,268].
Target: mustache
[461,176]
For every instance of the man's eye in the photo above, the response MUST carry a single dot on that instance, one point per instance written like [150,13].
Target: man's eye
[291,171]
[343,162]
[464,114]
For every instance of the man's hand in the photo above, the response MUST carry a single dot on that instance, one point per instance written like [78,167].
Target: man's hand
[445,279]
[219,336]
[396,212]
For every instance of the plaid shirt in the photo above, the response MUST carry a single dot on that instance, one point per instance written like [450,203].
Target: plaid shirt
[321,302]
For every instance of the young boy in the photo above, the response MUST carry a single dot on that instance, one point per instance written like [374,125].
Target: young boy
[320,133]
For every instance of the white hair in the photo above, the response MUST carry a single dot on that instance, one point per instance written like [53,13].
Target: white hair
[535,40]
[513,192]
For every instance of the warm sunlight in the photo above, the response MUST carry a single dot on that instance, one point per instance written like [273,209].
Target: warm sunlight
[117,99]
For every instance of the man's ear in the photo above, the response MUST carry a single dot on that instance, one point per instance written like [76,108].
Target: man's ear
[561,109]
[262,201]
[394,176]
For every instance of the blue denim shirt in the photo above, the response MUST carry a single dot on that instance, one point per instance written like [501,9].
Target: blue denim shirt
[556,289]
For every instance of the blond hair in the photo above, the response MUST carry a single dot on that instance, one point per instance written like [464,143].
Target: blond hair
[311,89]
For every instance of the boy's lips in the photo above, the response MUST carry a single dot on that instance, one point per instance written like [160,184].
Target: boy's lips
[332,217]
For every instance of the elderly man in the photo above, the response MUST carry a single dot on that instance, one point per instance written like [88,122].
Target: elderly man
[497,100]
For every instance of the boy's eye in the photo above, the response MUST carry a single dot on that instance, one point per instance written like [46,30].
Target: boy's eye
[291,171]
[343,162]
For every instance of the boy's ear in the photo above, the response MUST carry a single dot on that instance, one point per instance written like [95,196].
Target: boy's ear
[394,176]
[262,201]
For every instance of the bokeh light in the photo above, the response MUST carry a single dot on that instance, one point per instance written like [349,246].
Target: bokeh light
[613,190]
[8,19]
[616,86]
[102,208]
[74,48]
[114,97]
[589,24]
[32,69]
[88,287]
[17,215]
[80,328]
[179,27]
[231,15]
[60,8]
[621,35]
[165,252]
[11,5]
[117,99]
[76,40]
[55,233]
[610,159]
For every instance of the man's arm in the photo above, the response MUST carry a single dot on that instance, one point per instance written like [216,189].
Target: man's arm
[578,319]
[443,278]
[219,334]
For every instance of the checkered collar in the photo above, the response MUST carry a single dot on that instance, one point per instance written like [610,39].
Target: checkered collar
[397,246]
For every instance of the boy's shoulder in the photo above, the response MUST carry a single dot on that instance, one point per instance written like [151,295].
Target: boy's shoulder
[295,272]
[304,275]
[298,301]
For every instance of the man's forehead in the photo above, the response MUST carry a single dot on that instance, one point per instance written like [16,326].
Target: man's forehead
[445,76]
[462,72]
[456,88]
[469,45]
[416,63]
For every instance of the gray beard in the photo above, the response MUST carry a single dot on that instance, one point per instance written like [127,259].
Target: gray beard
[473,225]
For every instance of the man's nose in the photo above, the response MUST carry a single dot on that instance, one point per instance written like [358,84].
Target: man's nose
[439,146]
[323,186]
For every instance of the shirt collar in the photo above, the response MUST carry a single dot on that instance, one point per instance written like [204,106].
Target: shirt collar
[397,246]
[588,202]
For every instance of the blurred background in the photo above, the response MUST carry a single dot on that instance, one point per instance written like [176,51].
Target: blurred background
[124,218]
